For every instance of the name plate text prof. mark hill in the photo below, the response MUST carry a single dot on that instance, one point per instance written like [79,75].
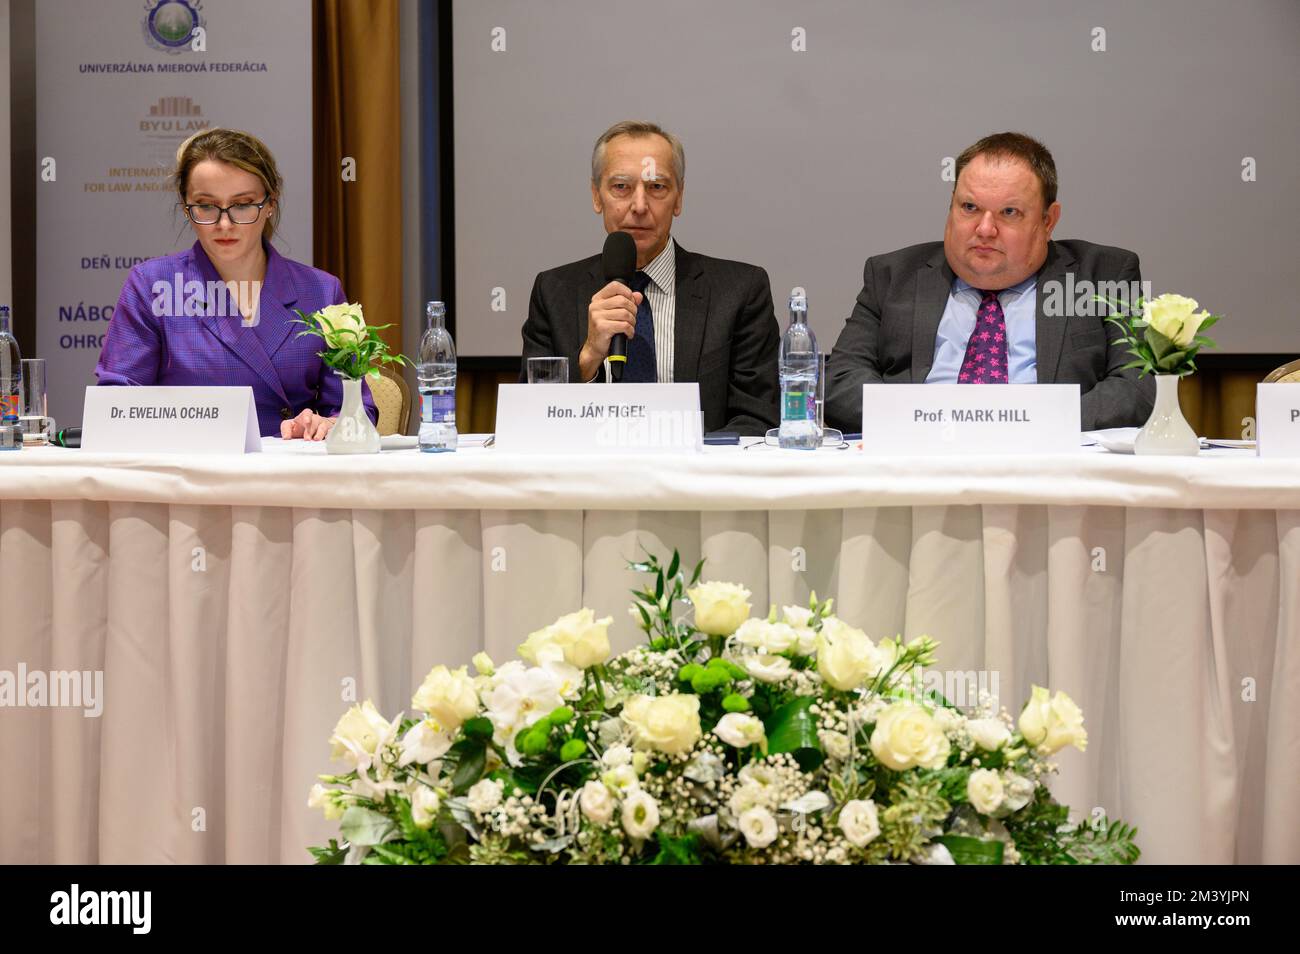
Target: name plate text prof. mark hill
[938,420]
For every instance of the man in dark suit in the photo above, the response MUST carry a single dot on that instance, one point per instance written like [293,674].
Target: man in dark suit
[687,317]
[996,301]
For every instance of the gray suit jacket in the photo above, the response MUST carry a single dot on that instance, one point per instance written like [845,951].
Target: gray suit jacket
[891,334]
[725,334]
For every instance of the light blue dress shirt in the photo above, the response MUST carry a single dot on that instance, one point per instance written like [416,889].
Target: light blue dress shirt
[1018,307]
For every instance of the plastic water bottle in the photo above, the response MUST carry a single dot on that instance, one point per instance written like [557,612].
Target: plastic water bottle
[436,376]
[11,386]
[798,368]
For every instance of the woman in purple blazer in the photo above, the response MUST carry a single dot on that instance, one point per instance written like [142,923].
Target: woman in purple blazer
[221,312]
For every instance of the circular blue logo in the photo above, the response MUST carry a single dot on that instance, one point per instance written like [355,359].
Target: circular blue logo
[172,22]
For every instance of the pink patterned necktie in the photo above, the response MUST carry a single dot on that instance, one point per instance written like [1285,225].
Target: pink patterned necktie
[986,352]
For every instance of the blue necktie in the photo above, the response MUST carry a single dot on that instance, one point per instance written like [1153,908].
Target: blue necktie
[641,367]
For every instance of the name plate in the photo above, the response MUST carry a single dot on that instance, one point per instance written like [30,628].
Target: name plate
[599,418]
[956,419]
[170,420]
[1277,420]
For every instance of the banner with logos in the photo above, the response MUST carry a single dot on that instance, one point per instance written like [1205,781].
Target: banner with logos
[119,85]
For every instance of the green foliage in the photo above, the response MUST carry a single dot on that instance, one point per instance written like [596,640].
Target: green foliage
[1153,353]
[677,851]
[332,854]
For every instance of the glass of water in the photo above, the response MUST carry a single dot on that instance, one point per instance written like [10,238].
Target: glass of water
[38,426]
[548,370]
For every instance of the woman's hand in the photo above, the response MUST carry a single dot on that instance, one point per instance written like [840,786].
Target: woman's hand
[308,425]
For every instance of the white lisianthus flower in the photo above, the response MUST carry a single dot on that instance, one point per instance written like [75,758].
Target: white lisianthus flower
[758,826]
[746,797]
[424,807]
[448,696]
[797,616]
[483,664]
[834,744]
[597,803]
[757,773]
[1175,317]
[740,730]
[1050,723]
[640,814]
[845,655]
[337,321]
[668,724]
[360,734]
[424,742]
[906,736]
[621,779]
[485,795]
[771,638]
[582,639]
[326,799]
[615,756]
[989,734]
[985,791]
[1019,792]
[767,668]
[860,822]
[720,608]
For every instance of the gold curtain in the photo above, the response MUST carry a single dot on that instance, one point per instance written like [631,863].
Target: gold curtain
[357,116]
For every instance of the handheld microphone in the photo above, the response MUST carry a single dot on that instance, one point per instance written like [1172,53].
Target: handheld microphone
[67,437]
[618,261]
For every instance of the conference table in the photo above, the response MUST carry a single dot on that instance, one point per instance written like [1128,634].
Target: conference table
[237,605]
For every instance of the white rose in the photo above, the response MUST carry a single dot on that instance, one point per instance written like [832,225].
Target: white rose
[768,668]
[906,736]
[448,697]
[766,637]
[597,803]
[1019,792]
[835,744]
[640,815]
[342,325]
[984,789]
[845,655]
[859,821]
[1175,317]
[424,806]
[668,724]
[720,608]
[359,734]
[580,637]
[485,795]
[1052,722]
[758,826]
[989,734]
[739,730]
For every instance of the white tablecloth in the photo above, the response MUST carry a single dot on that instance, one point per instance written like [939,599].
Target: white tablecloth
[237,605]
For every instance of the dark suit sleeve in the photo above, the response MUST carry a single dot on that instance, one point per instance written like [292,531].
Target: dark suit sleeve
[752,388]
[1120,398]
[540,338]
[854,361]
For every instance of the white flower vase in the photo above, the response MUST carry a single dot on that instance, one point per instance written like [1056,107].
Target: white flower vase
[1166,430]
[352,433]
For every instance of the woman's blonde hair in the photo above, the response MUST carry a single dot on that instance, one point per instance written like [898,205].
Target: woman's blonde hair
[241,150]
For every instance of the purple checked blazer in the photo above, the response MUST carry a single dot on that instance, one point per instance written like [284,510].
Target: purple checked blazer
[165,346]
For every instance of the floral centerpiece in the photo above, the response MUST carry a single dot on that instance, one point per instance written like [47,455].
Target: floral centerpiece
[1164,336]
[725,738]
[354,350]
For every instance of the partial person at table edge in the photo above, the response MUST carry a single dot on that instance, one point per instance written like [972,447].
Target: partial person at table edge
[221,313]
[690,318]
[971,309]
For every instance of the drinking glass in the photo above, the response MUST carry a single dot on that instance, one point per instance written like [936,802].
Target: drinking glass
[548,370]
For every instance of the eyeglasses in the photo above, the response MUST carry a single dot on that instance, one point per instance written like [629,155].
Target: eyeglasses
[241,213]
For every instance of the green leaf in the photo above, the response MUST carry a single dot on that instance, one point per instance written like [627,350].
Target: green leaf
[331,855]
[972,851]
[365,826]
[659,587]
[477,728]
[792,728]
[695,577]
[1209,322]
[1160,345]
[676,562]
[1170,362]
[389,855]
[1203,342]
[469,769]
